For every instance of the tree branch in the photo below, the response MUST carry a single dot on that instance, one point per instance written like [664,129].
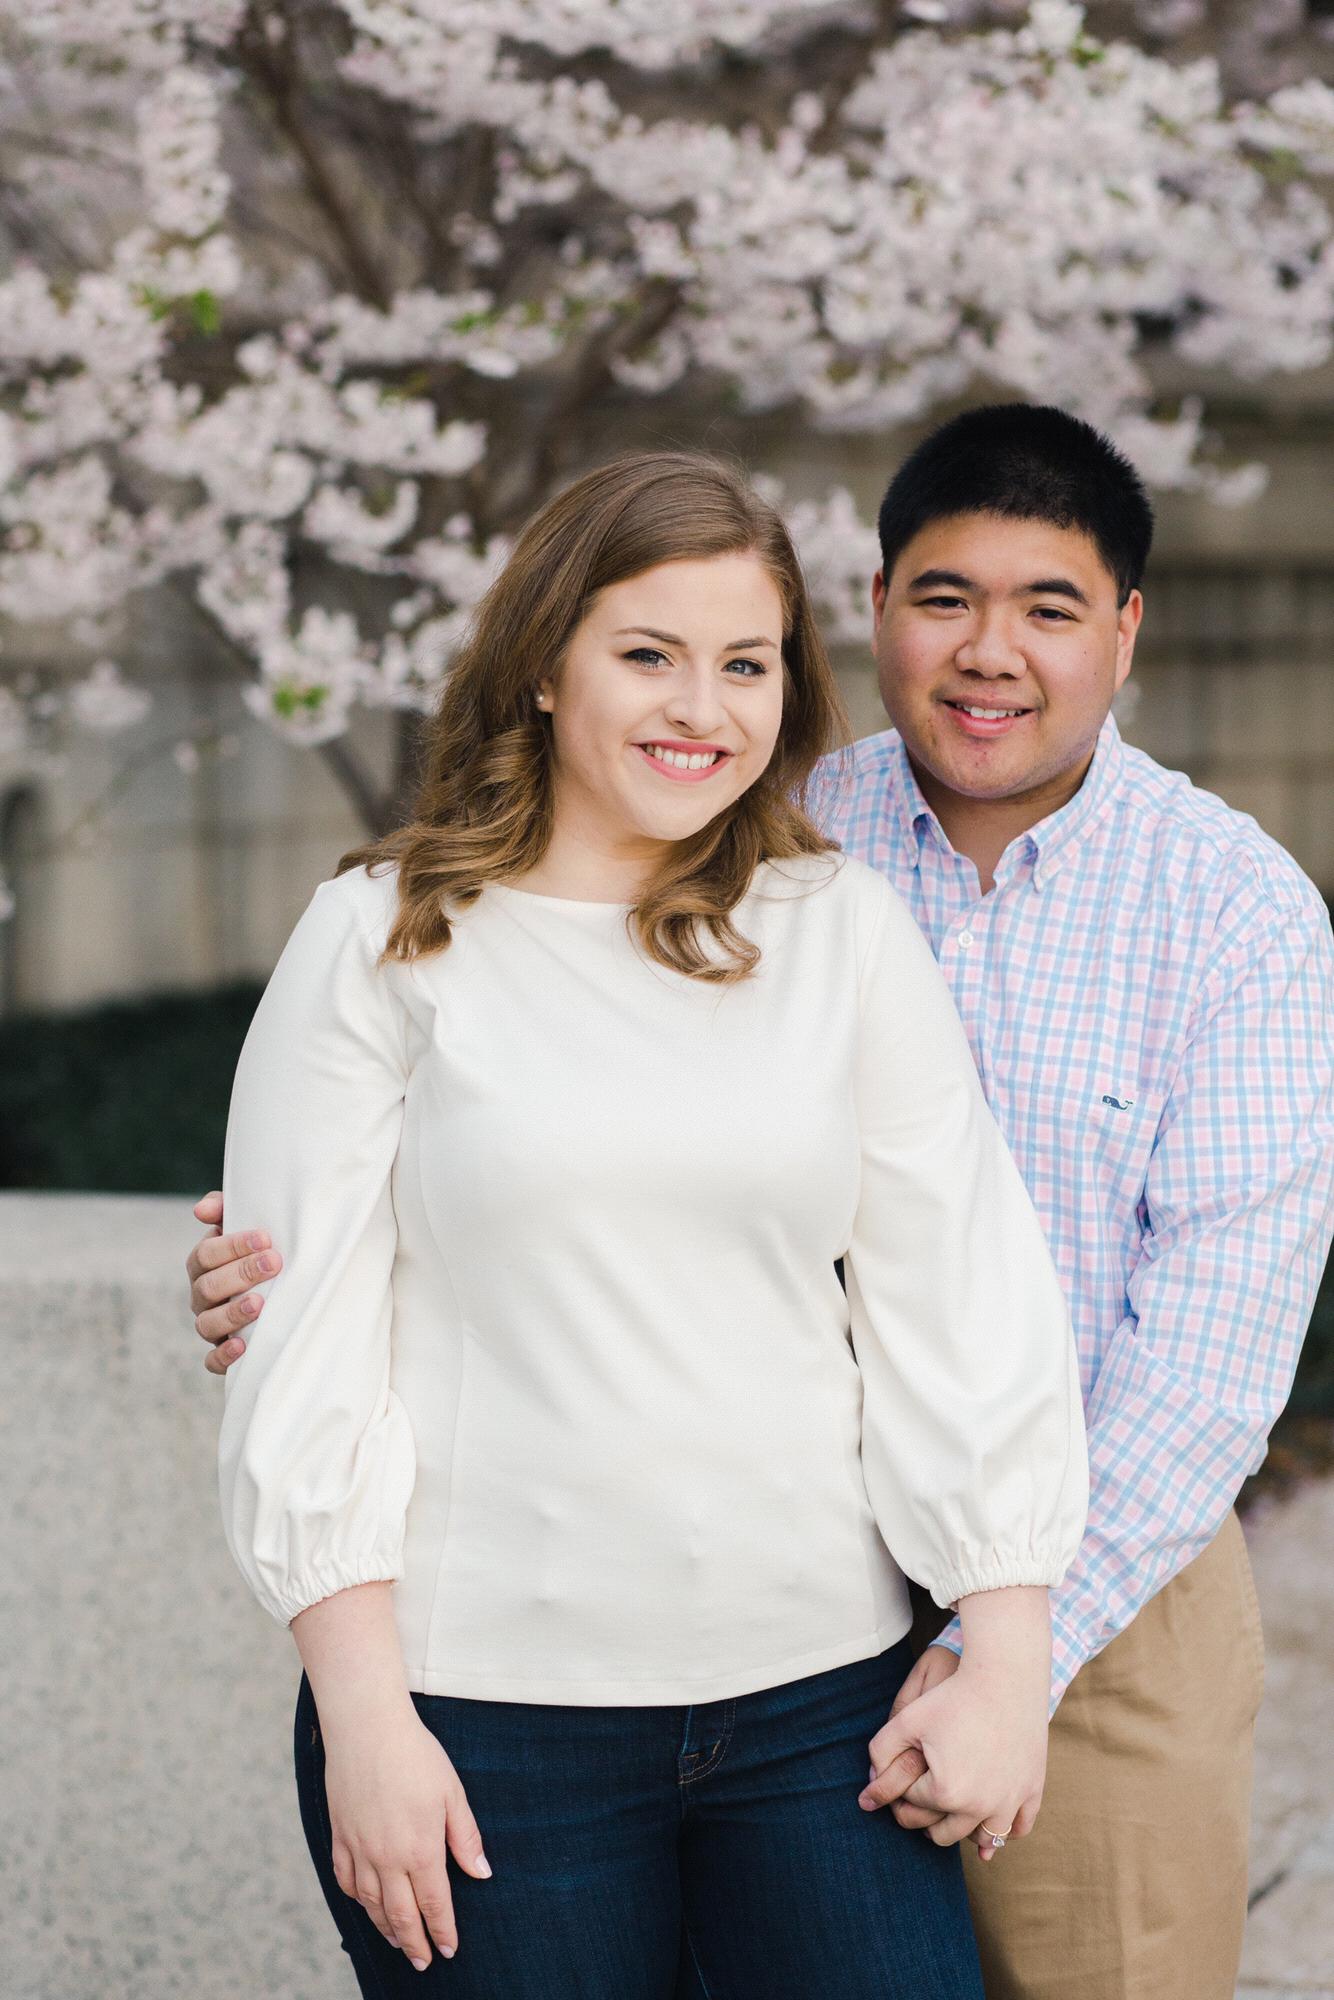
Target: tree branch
[649,314]
[273,67]
[378,813]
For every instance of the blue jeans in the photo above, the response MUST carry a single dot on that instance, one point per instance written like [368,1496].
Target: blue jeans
[715,1852]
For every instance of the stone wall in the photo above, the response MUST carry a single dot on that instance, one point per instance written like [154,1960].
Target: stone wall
[150,1844]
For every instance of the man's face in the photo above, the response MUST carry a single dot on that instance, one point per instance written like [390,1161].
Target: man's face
[1017,619]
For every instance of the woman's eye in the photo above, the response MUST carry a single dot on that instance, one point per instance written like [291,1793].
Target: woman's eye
[647,656]
[750,670]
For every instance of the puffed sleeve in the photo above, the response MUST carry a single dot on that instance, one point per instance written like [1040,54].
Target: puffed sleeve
[315,1457]
[973,1442]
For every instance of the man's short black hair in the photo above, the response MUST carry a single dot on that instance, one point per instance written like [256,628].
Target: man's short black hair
[1029,462]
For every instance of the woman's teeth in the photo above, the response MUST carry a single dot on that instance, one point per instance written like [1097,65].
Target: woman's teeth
[696,761]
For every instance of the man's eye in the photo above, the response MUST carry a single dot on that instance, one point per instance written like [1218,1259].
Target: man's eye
[941,603]
[1052,614]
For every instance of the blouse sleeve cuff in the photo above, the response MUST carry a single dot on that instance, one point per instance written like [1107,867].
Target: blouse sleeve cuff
[326,1580]
[998,1573]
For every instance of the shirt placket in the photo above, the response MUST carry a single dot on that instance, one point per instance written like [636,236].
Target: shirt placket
[964,957]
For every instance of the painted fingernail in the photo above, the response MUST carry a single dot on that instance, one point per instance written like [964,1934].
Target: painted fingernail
[420,1964]
[482,1867]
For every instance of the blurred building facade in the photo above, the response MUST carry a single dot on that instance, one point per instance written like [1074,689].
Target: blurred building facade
[142,866]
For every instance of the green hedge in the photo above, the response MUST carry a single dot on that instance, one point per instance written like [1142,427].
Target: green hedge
[132,1099]
[128,1098]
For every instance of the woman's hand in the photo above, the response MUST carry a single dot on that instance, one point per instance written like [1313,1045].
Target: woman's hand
[980,1724]
[395,1800]
[986,1762]
[395,1805]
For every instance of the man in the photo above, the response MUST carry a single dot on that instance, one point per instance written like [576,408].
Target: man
[1147,982]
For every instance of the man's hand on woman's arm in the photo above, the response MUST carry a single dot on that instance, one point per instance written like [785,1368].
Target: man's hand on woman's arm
[221,1270]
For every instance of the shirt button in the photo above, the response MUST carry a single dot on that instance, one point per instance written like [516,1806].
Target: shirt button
[965,939]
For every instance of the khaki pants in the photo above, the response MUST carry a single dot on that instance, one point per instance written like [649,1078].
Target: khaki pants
[1132,1886]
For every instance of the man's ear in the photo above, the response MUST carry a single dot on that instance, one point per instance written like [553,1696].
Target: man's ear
[1127,630]
[879,593]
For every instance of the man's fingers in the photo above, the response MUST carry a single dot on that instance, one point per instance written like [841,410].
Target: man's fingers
[219,1359]
[922,1793]
[902,1770]
[224,1266]
[911,1688]
[228,1321]
[209,1207]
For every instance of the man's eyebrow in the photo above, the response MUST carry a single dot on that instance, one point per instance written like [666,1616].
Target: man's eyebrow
[1043,586]
[671,639]
[1054,586]
[928,577]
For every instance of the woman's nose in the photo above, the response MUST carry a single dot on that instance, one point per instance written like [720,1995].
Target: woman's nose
[695,703]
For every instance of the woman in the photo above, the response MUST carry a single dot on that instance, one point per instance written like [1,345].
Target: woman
[562,1102]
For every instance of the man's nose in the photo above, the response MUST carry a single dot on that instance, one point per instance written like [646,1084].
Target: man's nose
[992,649]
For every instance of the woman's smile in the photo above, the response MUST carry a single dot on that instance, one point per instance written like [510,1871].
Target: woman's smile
[683,763]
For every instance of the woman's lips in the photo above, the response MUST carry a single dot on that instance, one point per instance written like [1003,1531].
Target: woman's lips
[675,772]
[984,728]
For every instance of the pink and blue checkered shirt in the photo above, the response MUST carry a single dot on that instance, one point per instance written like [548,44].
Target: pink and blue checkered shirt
[1149,995]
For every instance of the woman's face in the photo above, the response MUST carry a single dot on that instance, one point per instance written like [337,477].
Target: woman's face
[667,704]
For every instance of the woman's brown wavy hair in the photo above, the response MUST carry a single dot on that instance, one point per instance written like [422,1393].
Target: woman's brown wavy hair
[484,809]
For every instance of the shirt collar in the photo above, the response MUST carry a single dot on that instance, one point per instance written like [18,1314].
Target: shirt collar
[1056,837]
[915,816]
[1052,840]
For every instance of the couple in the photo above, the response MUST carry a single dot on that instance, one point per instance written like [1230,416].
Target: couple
[588,1496]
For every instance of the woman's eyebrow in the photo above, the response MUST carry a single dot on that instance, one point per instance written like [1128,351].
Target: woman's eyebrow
[671,638]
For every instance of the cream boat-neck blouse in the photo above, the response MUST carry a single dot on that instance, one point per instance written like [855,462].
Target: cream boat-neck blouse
[558,1345]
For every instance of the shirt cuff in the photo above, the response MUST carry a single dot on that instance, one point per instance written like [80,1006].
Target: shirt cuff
[999,1573]
[1068,1654]
[326,1580]
[951,1638]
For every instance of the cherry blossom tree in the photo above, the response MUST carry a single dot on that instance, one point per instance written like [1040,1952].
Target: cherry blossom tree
[310,304]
